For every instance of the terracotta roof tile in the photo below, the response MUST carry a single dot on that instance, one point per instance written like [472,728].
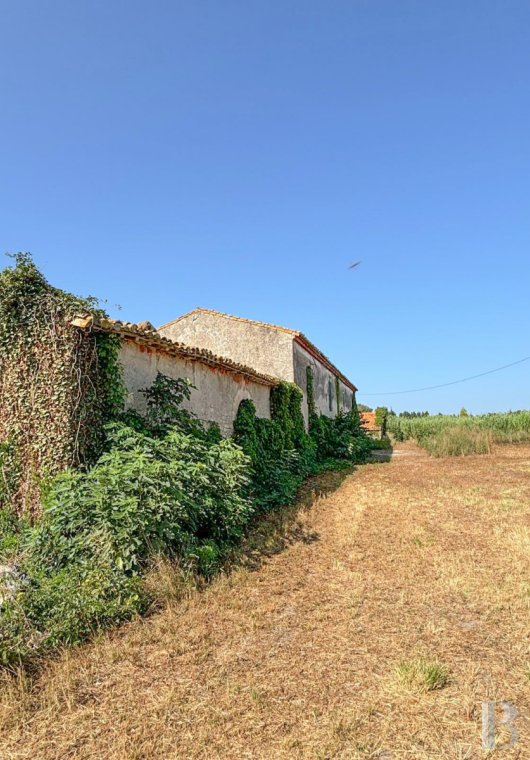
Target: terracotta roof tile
[368,420]
[152,338]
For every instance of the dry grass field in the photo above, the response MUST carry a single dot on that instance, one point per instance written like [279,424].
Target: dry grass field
[398,602]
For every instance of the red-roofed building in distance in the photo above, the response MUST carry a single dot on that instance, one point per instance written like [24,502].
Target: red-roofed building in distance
[369,424]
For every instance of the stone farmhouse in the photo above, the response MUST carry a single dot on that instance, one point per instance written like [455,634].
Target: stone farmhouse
[227,359]
[220,384]
[279,351]
[58,374]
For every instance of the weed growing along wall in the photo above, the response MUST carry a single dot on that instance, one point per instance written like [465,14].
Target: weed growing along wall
[58,386]
[165,487]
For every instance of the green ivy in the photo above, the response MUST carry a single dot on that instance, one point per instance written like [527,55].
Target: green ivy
[310,391]
[58,384]
[282,453]
[339,438]
[171,488]
[286,410]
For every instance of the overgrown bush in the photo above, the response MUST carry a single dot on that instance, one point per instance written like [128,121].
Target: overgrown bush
[282,453]
[171,489]
[67,606]
[340,437]
[164,487]
[280,457]
[144,496]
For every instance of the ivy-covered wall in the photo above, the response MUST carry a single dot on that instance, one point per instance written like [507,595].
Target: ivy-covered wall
[330,395]
[282,453]
[58,385]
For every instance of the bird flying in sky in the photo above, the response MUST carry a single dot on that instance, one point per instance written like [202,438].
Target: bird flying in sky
[354,264]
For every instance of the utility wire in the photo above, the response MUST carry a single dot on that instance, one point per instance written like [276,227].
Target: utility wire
[453,382]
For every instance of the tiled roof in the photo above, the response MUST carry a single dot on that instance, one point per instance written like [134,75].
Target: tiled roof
[368,420]
[229,316]
[153,339]
[297,335]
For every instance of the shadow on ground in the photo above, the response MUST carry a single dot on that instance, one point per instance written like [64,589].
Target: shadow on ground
[272,533]
[382,455]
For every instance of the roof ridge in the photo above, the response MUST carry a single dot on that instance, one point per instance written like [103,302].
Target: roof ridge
[224,314]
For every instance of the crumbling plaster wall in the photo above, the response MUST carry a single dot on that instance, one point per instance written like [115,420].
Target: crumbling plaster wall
[264,349]
[217,393]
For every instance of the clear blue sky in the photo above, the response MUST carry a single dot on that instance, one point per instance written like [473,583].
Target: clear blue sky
[239,154]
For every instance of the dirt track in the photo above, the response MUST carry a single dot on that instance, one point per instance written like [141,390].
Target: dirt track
[297,658]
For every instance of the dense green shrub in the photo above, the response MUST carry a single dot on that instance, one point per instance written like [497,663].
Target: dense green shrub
[340,437]
[164,487]
[145,495]
[67,606]
[282,453]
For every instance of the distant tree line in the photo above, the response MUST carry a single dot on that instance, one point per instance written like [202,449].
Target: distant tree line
[383,411]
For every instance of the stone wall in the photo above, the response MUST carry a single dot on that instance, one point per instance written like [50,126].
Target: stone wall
[324,385]
[217,392]
[265,349]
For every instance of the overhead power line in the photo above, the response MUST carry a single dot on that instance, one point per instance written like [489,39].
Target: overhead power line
[453,382]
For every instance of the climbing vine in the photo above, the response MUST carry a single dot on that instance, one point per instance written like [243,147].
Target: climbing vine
[335,438]
[286,410]
[58,385]
[281,452]
[310,391]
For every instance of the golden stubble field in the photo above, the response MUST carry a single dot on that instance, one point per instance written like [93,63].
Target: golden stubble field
[397,603]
